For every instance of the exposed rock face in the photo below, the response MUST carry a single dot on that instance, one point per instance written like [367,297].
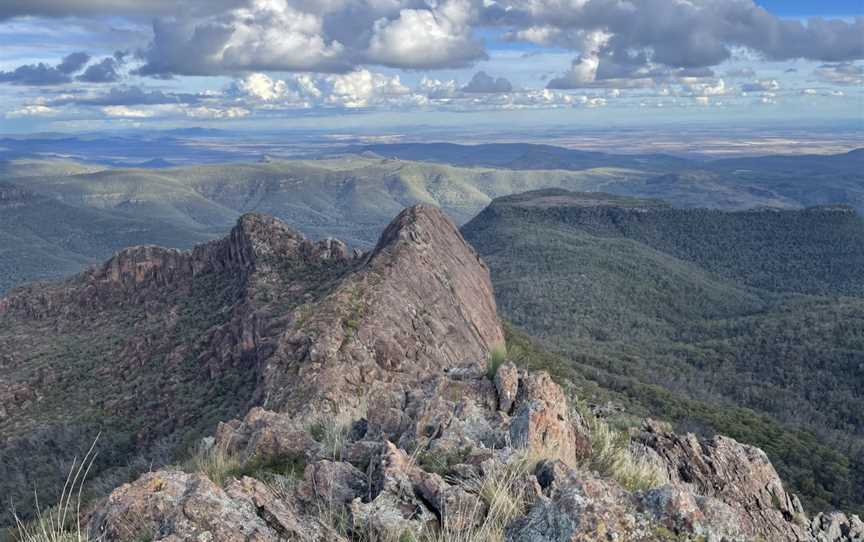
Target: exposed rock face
[737,474]
[837,527]
[458,438]
[450,420]
[421,302]
[175,506]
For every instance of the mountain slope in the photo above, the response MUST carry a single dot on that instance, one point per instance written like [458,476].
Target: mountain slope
[734,183]
[709,305]
[349,198]
[156,346]
[42,238]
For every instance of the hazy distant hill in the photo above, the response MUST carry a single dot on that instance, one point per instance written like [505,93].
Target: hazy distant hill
[793,181]
[43,238]
[352,197]
[710,306]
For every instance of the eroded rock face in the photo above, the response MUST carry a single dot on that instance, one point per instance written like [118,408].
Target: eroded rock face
[421,302]
[418,463]
[578,506]
[736,474]
[264,434]
[837,527]
[176,506]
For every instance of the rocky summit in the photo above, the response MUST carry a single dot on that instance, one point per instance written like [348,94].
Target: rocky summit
[265,387]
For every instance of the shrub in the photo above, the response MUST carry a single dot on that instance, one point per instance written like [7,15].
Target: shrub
[497,357]
[332,429]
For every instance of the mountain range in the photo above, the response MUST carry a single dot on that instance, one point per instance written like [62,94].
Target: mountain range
[350,396]
[352,197]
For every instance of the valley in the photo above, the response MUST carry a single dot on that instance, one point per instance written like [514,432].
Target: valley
[756,309]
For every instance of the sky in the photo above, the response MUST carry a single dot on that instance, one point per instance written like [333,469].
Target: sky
[83,65]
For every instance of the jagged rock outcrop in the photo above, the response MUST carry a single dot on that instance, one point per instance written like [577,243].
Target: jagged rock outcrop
[837,527]
[737,474]
[420,302]
[435,462]
[173,506]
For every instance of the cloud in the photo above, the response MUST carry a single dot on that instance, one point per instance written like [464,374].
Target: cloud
[741,73]
[711,88]
[202,112]
[426,38]
[363,88]
[126,112]
[65,8]
[175,110]
[105,71]
[260,87]
[484,83]
[356,89]
[645,36]
[42,74]
[262,35]
[334,36]
[127,96]
[36,110]
[582,73]
[648,41]
[436,89]
[768,85]
[844,73]
[366,89]
[73,63]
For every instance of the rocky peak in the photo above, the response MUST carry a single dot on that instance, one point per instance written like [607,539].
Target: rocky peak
[255,238]
[183,339]
[421,302]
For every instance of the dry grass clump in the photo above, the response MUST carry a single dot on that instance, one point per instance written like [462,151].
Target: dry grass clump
[332,429]
[216,462]
[612,456]
[61,523]
[497,358]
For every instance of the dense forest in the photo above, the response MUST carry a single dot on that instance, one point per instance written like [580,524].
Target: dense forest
[749,323]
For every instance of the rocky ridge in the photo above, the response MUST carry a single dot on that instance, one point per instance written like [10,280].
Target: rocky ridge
[369,411]
[157,345]
[440,460]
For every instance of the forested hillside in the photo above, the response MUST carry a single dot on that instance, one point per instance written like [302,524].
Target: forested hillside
[691,314]
[352,197]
